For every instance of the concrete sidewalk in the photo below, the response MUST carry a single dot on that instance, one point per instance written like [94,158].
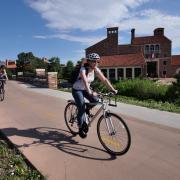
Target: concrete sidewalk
[33,120]
[151,115]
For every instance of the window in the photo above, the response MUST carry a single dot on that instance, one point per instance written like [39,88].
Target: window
[157,47]
[104,71]
[112,74]
[152,48]
[146,48]
[120,73]
[128,72]
[137,72]
[164,62]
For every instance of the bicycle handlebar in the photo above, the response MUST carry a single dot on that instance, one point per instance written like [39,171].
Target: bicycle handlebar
[106,94]
[109,95]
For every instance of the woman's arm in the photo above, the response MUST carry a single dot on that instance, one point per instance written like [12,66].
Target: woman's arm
[101,76]
[5,74]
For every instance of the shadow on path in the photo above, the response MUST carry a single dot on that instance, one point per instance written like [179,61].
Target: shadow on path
[33,85]
[60,139]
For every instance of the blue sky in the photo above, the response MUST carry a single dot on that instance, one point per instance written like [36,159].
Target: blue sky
[65,28]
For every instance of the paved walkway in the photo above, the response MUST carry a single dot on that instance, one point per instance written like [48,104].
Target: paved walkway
[146,114]
[34,122]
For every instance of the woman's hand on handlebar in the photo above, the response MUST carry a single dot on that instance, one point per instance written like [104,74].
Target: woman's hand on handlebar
[115,91]
[94,93]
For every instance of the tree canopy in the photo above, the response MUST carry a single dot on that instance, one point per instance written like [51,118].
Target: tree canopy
[28,63]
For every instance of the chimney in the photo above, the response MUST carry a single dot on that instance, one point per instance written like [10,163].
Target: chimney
[132,35]
[112,36]
[112,32]
[159,32]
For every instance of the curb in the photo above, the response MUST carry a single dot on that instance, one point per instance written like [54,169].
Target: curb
[27,161]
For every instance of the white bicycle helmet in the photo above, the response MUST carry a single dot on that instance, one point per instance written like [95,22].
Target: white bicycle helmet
[2,66]
[93,57]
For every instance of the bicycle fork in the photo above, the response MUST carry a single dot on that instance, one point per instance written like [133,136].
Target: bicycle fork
[109,123]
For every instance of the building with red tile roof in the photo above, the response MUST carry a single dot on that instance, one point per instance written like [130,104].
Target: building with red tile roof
[10,64]
[144,56]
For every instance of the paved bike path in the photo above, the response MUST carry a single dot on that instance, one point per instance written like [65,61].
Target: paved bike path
[34,122]
[142,113]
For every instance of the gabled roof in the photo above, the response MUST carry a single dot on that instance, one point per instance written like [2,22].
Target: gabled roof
[175,60]
[122,60]
[149,40]
[97,44]
[10,64]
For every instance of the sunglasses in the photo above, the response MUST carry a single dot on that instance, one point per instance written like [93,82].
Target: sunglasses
[94,61]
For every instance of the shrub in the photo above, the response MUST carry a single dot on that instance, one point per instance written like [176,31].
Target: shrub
[173,93]
[142,89]
[98,86]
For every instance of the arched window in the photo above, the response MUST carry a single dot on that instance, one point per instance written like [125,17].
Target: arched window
[152,48]
[146,48]
[157,48]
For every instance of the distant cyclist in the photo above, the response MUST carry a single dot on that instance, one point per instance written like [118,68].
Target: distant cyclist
[3,75]
[81,88]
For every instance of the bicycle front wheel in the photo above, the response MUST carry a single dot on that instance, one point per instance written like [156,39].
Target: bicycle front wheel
[113,134]
[2,92]
[70,116]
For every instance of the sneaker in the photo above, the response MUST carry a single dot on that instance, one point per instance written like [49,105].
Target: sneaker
[82,134]
[85,127]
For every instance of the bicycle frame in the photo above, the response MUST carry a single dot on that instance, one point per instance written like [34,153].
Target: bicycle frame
[104,103]
[109,125]
[103,108]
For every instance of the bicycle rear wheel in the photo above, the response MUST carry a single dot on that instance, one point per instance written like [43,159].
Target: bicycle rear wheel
[114,134]
[2,92]
[70,116]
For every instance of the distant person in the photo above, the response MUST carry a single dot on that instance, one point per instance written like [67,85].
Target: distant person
[3,74]
[81,88]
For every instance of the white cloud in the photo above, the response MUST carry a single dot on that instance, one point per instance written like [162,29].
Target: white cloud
[146,21]
[83,40]
[80,53]
[83,15]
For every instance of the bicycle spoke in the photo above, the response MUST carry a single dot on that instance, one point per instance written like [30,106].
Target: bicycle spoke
[113,134]
[70,115]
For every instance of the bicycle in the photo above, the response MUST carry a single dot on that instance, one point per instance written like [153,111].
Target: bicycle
[2,90]
[112,131]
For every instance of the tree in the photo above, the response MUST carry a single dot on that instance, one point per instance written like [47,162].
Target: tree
[68,70]
[27,63]
[54,65]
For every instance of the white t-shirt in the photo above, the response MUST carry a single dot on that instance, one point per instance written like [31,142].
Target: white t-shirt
[79,84]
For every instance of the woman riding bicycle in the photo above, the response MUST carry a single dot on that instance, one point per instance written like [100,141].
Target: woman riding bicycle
[3,75]
[81,88]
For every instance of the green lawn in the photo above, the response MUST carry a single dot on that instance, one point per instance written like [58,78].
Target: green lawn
[13,165]
[164,106]
[150,103]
